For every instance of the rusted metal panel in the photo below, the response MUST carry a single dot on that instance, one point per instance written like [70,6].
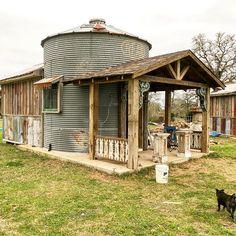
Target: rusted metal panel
[17,129]
[30,139]
[22,129]
[67,139]
[34,131]
[233,125]
[37,132]
[228,126]
[218,124]
[8,128]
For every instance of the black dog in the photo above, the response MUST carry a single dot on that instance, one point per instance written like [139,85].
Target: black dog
[227,201]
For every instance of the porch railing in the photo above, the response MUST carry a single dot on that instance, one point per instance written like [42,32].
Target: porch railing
[196,140]
[111,148]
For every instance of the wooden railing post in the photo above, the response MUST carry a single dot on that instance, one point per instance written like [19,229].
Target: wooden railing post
[196,140]
[133,113]
[93,118]
[111,148]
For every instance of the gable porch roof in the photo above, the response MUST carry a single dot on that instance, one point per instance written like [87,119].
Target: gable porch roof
[198,71]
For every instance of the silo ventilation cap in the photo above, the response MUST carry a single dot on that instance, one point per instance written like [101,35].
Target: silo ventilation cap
[97,21]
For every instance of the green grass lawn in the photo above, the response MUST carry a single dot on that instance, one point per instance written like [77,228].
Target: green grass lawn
[41,196]
[226,147]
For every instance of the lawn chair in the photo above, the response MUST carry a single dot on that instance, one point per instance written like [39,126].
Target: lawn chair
[172,139]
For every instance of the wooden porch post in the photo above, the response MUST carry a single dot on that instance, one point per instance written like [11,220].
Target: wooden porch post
[140,128]
[93,118]
[122,131]
[167,107]
[145,121]
[133,113]
[206,124]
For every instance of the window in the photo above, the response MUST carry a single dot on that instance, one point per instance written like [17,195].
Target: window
[51,98]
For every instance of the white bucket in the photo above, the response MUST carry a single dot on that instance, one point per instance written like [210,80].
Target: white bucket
[162,173]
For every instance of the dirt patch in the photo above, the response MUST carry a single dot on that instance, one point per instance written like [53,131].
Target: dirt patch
[103,177]
[194,166]
[6,228]
[226,167]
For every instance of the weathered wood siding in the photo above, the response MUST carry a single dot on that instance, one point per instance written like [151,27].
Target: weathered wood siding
[21,98]
[21,110]
[223,114]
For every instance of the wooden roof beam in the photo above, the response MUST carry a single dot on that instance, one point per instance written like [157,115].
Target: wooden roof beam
[183,72]
[102,80]
[158,87]
[172,71]
[165,80]
[178,68]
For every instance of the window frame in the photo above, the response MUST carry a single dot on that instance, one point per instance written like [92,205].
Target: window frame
[59,96]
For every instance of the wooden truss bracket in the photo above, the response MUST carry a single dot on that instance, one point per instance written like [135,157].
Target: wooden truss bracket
[201,92]
[143,87]
[176,72]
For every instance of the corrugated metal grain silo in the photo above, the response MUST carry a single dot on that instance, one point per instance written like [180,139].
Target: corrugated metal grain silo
[87,48]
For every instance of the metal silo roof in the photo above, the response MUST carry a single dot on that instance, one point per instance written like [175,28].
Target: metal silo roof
[96,25]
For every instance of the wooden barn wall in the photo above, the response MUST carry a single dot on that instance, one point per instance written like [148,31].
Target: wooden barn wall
[21,110]
[223,106]
[21,98]
[223,114]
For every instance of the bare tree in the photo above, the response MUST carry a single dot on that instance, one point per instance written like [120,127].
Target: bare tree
[183,103]
[219,54]
[155,110]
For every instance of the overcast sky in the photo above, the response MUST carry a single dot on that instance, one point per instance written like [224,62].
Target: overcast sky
[167,25]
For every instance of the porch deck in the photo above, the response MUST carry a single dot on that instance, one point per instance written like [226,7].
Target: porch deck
[107,166]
